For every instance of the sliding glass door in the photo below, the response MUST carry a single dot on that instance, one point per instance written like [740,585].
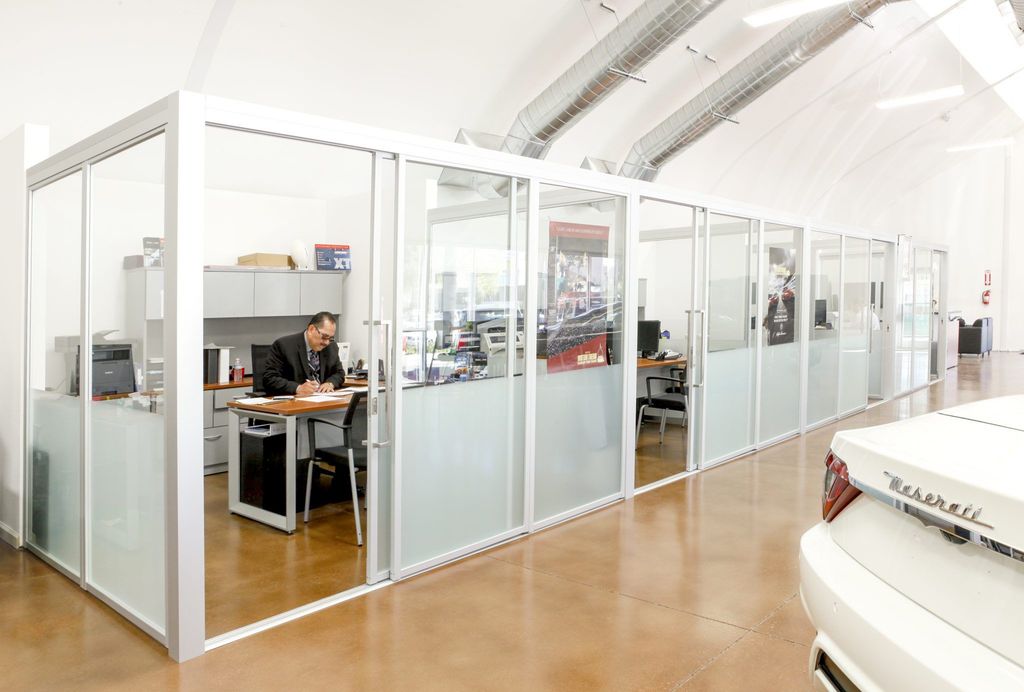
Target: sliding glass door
[461,411]
[665,366]
[824,266]
[730,343]
[781,333]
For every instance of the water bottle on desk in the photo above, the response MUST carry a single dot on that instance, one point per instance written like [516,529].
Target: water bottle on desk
[238,373]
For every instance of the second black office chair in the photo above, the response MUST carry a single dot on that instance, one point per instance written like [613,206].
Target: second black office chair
[350,452]
[674,398]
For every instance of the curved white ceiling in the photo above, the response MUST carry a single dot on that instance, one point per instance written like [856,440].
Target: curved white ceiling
[814,145]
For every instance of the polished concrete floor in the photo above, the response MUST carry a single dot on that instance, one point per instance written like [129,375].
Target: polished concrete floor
[691,586]
[254,571]
[656,461]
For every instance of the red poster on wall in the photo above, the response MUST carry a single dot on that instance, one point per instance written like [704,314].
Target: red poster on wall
[577,311]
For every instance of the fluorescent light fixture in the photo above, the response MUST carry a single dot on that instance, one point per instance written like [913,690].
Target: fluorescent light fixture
[949,92]
[776,13]
[990,144]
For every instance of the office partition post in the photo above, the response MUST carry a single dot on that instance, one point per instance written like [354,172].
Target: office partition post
[530,352]
[376,326]
[694,361]
[760,280]
[398,286]
[705,261]
[629,345]
[183,341]
[85,357]
[511,297]
[842,327]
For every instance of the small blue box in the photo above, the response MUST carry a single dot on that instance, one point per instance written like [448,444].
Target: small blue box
[333,258]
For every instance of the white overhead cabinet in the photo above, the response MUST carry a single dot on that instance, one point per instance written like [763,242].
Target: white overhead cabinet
[270,293]
[228,294]
[320,291]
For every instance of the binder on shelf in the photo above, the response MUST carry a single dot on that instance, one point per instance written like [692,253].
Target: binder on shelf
[216,364]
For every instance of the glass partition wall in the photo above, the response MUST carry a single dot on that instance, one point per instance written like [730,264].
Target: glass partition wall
[854,334]
[580,368]
[53,476]
[95,474]
[730,345]
[491,294]
[880,352]
[923,310]
[825,266]
[270,206]
[125,513]
[666,284]
[461,480]
[781,332]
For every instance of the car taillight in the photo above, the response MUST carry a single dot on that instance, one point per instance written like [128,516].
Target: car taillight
[838,491]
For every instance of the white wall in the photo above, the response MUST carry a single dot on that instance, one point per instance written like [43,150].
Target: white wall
[967,209]
[24,147]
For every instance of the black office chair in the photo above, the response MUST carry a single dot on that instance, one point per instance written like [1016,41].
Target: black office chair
[351,452]
[674,398]
[259,353]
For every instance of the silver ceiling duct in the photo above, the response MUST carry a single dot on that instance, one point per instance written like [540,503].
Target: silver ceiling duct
[1018,12]
[637,40]
[802,40]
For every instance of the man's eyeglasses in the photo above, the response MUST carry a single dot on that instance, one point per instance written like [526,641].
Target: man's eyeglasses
[323,337]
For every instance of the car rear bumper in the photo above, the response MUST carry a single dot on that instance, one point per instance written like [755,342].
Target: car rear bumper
[881,640]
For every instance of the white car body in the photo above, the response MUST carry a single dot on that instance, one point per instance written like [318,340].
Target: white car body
[897,601]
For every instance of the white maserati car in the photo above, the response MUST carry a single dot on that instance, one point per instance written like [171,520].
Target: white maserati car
[915,578]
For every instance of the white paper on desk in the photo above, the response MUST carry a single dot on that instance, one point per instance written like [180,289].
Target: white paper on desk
[316,398]
[339,392]
[254,400]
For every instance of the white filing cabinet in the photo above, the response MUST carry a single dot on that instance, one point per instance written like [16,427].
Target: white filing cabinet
[215,427]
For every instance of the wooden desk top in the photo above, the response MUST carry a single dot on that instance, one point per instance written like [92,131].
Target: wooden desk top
[246,382]
[651,363]
[294,407]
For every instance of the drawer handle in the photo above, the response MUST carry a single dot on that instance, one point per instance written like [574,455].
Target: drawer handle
[213,438]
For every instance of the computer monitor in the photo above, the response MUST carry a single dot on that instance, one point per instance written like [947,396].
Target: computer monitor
[647,334]
[820,312]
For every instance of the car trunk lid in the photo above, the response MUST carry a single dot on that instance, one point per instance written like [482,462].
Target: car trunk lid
[964,465]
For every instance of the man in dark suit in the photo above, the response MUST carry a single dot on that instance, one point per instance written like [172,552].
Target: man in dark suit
[307,362]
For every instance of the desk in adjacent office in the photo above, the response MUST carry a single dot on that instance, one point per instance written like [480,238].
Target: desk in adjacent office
[642,363]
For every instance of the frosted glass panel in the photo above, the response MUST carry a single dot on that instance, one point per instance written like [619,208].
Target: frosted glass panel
[729,402]
[579,350]
[463,408]
[780,352]
[904,317]
[729,382]
[579,438]
[126,520]
[823,349]
[468,487]
[880,295]
[922,315]
[54,415]
[853,392]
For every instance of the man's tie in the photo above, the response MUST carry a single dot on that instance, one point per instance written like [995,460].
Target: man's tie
[314,364]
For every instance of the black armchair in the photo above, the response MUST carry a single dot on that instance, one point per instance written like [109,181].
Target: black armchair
[977,338]
[674,398]
[351,451]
